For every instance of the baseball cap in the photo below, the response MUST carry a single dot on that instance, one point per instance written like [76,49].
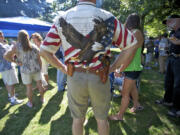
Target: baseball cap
[170,17]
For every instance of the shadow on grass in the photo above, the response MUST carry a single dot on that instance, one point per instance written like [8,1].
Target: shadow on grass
[133,124]
[51,108]
[50,87]
[141,122]
[52,72]
[115,127]
[91,125]
[20,90]
[20,119]
[4,112]
[120,128]
[58,126]
[3,101]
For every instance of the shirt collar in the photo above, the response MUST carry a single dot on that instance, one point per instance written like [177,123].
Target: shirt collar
[86,3]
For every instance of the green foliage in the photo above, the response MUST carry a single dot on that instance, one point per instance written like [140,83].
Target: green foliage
[63,5]
[113,6]
[31,8]
[155,29]
[151,12]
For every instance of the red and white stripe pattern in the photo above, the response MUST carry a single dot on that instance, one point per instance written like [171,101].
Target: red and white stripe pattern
[123,38]
[52,41]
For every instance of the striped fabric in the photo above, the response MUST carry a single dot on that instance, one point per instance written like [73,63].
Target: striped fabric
[122,38]
[81,18]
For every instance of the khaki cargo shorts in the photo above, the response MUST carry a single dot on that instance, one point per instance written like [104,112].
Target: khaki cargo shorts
[83,86]
[27,78]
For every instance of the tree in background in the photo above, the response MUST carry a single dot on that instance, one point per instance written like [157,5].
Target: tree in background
[31,8]
[152,12]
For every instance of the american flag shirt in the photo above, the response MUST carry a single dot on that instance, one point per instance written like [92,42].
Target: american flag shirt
[81,18]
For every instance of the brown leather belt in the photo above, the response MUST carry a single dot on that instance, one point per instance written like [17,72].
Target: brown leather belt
[80,69]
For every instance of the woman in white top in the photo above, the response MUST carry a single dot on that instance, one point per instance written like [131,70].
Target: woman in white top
[28,55]
[37,40]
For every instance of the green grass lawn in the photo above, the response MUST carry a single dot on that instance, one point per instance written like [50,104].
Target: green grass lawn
[53,117]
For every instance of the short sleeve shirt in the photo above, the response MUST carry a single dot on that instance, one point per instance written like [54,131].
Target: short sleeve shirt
[81,18]
[4,64]
[30,59]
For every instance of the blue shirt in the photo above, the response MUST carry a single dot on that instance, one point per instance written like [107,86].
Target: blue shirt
[4,64]
[156,43]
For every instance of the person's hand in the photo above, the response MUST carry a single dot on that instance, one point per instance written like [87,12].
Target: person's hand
[174,40]
[19,63]
[15,60]
[116,74]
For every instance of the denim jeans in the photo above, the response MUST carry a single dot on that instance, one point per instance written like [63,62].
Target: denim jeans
[115,81]
[61,79]
[172,81]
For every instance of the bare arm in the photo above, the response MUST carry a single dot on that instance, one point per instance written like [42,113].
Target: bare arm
[124,58]
[52,59]
[139,37]
[9,55]
[175,40]
[123,38]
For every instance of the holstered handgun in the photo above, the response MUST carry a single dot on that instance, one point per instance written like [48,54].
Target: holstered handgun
[104,71]
[70,69]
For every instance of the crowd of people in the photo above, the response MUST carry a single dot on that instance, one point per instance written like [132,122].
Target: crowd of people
[25,54]
[78,45]
[172,74]
[157,50]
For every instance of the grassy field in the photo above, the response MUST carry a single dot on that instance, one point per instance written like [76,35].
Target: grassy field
[53,117]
